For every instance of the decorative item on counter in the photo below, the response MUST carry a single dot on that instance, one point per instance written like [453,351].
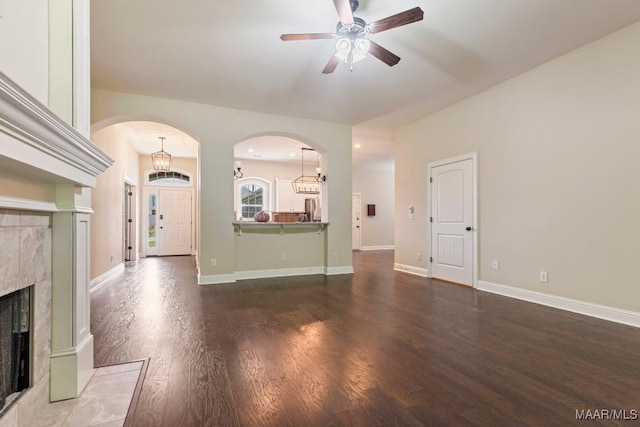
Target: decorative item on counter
[261,216]
[302,217]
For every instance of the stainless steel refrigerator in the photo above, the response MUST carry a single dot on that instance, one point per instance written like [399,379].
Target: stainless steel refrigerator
[312,209]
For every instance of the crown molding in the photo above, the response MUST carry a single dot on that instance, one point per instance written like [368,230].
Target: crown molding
[35,140]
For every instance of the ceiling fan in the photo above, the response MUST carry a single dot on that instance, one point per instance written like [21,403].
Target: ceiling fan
[352,33]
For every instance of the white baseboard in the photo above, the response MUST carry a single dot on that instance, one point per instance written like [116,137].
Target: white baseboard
[332,271]
[604,312]
[264,274]
[215,279]
[418,271]
[105,277]
[378,248]
[279,272]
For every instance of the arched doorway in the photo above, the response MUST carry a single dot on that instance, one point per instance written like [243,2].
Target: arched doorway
[280,161]
[122,223]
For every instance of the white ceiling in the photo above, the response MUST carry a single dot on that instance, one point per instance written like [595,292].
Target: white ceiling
[228,53]
[144,138]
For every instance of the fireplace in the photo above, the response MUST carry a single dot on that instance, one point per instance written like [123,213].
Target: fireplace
[46,170]
[25,310]
[15,345]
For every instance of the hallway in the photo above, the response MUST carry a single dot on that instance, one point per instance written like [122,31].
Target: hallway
[376,348]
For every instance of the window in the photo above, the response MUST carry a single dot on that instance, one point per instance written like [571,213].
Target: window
[252,200]
[252,195]
[169,178]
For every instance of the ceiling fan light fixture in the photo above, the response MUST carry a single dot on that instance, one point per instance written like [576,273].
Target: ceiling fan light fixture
[343,45]
[352,44]
[360,48]
[351,50]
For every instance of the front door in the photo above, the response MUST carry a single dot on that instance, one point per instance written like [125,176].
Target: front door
[174,222]
[452,224]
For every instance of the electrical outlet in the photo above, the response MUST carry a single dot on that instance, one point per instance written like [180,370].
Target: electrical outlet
[495,265]
[544,277]
[214,263]
[419,256]
[283,257]
[334,255]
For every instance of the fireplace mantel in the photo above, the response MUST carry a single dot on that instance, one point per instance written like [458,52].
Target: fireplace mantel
[36,143]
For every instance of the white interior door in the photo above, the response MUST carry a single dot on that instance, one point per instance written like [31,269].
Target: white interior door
[174,222]
[356,231]
[452,227]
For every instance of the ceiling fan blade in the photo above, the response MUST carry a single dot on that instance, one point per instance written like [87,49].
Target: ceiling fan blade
[331,65]
[306,36]
[397,20]
[344,11]
[383,54]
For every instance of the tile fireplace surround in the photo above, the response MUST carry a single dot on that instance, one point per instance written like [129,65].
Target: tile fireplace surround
[25,239]
[47,168]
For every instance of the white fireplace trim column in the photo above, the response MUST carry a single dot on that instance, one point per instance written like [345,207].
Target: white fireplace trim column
[71,339]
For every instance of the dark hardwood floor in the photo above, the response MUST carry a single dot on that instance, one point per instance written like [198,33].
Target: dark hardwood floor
[379,348]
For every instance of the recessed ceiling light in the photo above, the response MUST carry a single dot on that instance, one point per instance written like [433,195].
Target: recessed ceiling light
[292,154]
[251,150]
[357,146]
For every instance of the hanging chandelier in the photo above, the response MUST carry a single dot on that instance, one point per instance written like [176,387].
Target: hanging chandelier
[308,184]
[161,160]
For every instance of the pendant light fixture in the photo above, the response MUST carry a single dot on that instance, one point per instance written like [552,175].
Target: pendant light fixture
[307,184]
[161,160]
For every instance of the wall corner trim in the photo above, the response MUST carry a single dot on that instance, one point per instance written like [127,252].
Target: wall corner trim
[604,312]
[418,271]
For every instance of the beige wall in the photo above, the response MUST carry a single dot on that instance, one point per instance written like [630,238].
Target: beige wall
[376,187]
[218,130]
[558,155]
[107,223]
[24,45]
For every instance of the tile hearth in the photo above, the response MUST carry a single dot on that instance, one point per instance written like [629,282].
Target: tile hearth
[105,401]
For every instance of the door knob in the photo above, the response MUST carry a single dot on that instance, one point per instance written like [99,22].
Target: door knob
[468,228]
[161,228]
